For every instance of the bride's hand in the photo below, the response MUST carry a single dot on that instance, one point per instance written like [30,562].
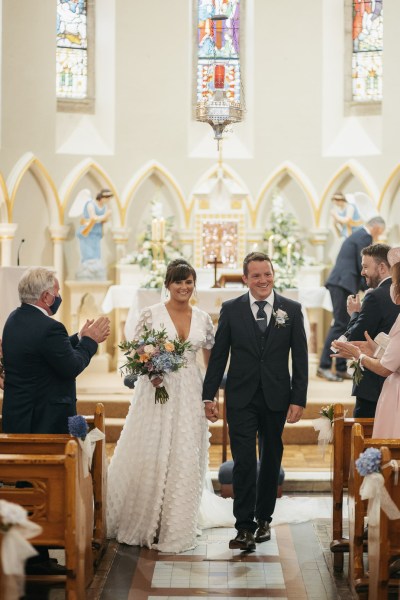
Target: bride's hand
[211,411]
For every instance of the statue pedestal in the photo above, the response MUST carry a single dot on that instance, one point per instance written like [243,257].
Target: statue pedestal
[85,299]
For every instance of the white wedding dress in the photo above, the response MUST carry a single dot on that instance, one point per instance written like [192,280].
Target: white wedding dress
[157,474]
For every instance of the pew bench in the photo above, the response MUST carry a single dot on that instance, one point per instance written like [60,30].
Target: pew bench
[341,465]
[60,502]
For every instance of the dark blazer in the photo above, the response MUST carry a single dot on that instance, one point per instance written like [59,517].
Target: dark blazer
[347,270]
[41,363]
[378,313]
[249,366]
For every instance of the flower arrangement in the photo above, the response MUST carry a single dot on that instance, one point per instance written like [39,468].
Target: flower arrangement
[284,245]
[369,462]
[281,317]
[357,373]
[155,278]
[154,355]
[328,412]
[324,424]
[78,427]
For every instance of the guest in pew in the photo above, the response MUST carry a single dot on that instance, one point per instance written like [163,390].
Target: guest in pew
[387,417]
[344,279]
[157,474]
[375,314]
[41,361]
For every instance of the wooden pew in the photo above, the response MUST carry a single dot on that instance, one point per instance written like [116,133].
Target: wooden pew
[358,578]
[55,444]
[57,503]
[384,540]
[341,465]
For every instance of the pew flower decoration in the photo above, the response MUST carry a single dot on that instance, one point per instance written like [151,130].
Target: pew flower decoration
[324,424]
[78,427]
[15,529]
[373,487]
[154,355]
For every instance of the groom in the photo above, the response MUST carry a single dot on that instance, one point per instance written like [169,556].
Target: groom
[259,329]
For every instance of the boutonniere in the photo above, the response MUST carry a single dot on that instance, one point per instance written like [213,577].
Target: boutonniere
[281,317]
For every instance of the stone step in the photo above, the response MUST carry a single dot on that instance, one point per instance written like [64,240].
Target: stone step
[302,432]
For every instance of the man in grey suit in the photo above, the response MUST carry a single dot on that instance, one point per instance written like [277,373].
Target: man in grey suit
[344,279]
[260,330]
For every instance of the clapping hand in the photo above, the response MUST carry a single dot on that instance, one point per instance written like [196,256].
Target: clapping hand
[211,410]
[98,329]
[353,350]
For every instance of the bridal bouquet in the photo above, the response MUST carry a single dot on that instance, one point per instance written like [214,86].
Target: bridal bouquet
[154,355]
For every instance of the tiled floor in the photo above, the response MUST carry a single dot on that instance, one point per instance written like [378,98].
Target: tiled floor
[295,565]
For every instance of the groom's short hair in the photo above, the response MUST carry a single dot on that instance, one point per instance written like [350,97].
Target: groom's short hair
[255,256]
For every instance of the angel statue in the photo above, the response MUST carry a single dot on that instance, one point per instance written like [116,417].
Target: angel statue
[94,213]
[351,211]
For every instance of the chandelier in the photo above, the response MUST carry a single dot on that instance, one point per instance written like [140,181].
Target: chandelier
[221,101]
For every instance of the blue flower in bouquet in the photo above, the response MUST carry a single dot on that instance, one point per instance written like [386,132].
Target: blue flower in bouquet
[369,462]
[154,354]
[78,427]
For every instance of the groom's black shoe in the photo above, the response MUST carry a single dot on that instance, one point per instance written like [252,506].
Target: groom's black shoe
[263,533]
[243,541]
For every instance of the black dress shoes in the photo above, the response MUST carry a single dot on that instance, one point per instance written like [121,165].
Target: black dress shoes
[46,567]
[243,541]
[263,533]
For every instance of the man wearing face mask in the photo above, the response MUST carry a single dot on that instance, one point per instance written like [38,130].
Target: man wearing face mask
[41,361]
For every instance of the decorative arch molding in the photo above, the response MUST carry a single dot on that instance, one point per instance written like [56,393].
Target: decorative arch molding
[29,162]
[350,169]
[231,174]
[155,168]
[288,169]
[85,167]
[389,191]
[4,202]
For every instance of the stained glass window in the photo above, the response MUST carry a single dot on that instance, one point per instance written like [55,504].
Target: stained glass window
[218,66]
[72,56]
[367,50]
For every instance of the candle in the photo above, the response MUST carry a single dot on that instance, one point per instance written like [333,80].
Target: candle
[289,255]
[270,246]
[162,229]
[154,230]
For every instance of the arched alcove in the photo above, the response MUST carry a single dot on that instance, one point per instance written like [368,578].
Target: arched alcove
[4,201]
[153,184]
[297,195]
[35,206]
[351,178]
[89,175]
[389,206]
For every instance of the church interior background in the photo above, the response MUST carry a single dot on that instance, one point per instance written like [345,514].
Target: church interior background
[305,134]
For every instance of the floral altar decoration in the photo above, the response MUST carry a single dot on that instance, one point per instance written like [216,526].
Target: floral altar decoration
[284,246]
[157,245]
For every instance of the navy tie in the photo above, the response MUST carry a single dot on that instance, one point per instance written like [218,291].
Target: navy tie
[262,320]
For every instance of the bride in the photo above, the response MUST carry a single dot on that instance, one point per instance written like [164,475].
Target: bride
[157,474]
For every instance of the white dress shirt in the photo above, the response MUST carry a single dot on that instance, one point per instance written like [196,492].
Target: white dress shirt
[268,308]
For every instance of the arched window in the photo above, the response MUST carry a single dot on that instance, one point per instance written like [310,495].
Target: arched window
[74,55]
[367,56]
[218,65]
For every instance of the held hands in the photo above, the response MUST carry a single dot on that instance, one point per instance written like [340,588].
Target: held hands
[294,413]
[211,411]
[98,329]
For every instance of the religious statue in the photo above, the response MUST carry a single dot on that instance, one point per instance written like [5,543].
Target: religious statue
[94,213]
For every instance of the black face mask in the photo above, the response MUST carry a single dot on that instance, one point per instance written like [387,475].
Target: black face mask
[56,304]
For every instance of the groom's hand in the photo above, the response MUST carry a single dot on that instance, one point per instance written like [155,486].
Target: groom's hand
[211,411]
[294,413]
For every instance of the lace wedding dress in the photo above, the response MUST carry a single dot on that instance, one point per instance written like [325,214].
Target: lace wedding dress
[157,474]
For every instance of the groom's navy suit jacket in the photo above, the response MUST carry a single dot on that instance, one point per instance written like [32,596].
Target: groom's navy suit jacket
[249,366]
[41,363]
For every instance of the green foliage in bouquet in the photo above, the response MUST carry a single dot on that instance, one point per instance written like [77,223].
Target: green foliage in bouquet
[284,230]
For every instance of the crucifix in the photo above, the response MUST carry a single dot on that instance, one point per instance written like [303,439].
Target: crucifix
[215,262]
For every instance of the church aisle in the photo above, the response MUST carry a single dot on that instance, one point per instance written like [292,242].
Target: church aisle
[291,566]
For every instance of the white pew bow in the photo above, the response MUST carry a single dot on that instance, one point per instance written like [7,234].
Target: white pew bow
[88,445]
[373,489]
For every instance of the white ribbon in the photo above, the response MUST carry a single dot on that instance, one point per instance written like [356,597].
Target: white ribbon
[324,426]
[373,489]
[88,445]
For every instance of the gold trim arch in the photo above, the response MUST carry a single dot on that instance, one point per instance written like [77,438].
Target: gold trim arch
[4,202]
[29,162]
[91,167]
[290,170]
[149,169]
[350,169]
[389,191]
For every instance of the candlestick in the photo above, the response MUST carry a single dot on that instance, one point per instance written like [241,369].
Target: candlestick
[162,229]
[154,230]
[289,255]
[270,246]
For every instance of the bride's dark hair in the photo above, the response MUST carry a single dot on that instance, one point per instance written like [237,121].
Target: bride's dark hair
[178,270]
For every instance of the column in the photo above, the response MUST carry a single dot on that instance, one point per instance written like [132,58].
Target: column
[7,234]
[58,234]
[120,237]
[318,238]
